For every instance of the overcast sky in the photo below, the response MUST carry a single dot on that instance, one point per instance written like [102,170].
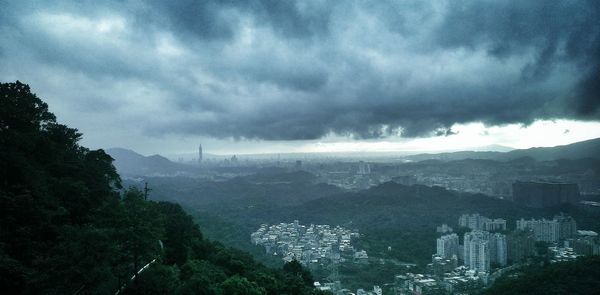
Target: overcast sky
[305,76]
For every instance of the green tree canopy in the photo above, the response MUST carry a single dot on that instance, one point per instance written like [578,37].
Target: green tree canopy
[67,227]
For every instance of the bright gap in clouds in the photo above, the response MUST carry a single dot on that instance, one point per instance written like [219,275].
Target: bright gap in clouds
[472,136]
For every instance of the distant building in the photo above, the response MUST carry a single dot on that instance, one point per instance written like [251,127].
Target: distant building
[440,266]
[479,222]
[545,194]
[498,249]
[543,230]
[479,255]
[586,245]
[364,168]
[472,221]
[520,245]
[497,224]
[567,227]
[477,251]
[361,257]
[560,228]
[447,246]
[481,248]
[200,154]
[444,228]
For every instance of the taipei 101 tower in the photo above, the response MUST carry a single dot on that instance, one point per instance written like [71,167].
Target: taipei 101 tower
[199,154]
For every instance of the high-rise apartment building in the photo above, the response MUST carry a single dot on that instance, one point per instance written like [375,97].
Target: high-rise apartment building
[520,245]
[560,228]
[498,249]
[477,250]
[447,246]
[481,248]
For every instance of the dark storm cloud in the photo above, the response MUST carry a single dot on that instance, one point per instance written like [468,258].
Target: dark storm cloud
[284,70]
[212,19]
[559,31]
[201,19]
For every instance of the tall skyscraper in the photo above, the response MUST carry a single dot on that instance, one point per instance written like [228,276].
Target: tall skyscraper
[200,154]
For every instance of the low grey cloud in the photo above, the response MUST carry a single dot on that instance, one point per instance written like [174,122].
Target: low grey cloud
[292,70]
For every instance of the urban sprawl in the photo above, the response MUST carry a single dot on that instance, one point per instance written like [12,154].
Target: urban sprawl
[488,250]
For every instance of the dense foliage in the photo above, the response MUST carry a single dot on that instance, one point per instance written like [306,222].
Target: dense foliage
[67,228]
[573,277]
[403,218]
[389,215]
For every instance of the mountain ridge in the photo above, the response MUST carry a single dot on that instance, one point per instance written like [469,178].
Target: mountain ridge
[578,150]
[129,162]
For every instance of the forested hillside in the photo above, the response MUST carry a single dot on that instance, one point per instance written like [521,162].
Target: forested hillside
[390,214]
[573,277]
[67,227]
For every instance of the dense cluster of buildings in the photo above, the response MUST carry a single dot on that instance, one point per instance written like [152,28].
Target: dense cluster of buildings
[468,263]
[482,248]
[488,250]
[479,250]
[478,222]
[458,280]
[336,288]
[312,244]
[561,227]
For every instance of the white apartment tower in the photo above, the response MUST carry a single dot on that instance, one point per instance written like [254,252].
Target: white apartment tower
[447,246]
[479,255]
[498,252]
[543,230]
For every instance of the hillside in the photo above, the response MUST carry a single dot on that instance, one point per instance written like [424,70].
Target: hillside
[573,277]
[583,149]
[403,217]
[579,150]
[68,228]
[131,163]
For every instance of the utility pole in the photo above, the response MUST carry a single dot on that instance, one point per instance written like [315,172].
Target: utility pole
[146,191]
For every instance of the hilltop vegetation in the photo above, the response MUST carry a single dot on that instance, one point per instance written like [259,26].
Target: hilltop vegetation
[573,277]
[574,151]
[68,228]
[399,216]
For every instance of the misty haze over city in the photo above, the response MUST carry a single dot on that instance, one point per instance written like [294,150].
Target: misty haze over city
[300,147]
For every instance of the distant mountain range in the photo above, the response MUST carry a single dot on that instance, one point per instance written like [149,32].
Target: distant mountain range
[579,150]
[493,148]
[130,163]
